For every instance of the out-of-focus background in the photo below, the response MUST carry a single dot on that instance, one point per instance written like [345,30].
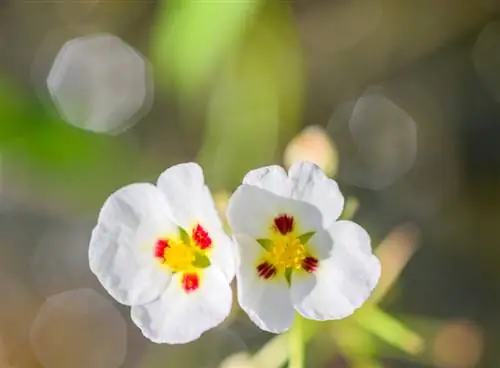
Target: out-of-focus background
[398,100]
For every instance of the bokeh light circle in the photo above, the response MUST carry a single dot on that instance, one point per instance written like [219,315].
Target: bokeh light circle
[59,261]
[101,84]
[458,344]
[383,140]
[79,329]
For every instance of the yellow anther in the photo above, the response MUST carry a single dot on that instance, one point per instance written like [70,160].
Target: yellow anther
[287,252]
[178,256]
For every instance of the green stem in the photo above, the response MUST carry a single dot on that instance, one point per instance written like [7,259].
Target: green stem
[296,344]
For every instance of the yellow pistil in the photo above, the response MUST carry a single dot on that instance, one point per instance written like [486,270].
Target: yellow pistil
[178,256]
[287,252]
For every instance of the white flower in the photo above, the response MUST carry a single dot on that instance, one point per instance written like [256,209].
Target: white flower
[162,250]
[293,254]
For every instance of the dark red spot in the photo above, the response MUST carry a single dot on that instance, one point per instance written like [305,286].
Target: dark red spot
[284,224]
[201,237]
[190,282]
[160,246]
[266,270]
[310,264]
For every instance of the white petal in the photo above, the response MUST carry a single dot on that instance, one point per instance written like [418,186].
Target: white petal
[267,302]
[251,211]
[122,244]
[272,178]
[342,282]
[311,185]
[223,254]
[178,317]
[191,203]
[189,198]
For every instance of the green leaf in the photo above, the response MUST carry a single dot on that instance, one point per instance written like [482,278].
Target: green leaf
[255,103]
[288,275]
[267,244]
[201,261]
[304,238]
[186,239]
[389,329]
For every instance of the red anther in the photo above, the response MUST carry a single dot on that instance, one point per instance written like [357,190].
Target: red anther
[266,270]
[201,237]
[160,246]
[190,282]
[284,224]
[310,264]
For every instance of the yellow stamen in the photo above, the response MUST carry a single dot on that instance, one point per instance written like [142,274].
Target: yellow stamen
[178,256]
[287,252]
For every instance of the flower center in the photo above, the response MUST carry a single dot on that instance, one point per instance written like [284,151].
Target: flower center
[178,256]
[287,252]
[184,252]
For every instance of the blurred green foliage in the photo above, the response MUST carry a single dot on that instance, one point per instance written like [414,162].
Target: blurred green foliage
[192,37]
[43,143]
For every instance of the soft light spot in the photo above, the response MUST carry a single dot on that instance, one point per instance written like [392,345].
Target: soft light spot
[381,144]
[458,345]
[101,84]
[79,329]
[190,282]
[386,138]
[201,237]
[313,145]
[59,261]
[284,224]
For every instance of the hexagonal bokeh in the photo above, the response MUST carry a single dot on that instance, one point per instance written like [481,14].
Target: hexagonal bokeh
[79,329]
[384,140]
[59,261]
[99,83]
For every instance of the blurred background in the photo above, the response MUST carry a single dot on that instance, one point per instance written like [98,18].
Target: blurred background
[398,100]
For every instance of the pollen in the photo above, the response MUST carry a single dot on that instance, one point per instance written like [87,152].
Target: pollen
[190,282]
[201,237]
[287,252]
[160,246]
[310,264]
[175,254]
[266,270]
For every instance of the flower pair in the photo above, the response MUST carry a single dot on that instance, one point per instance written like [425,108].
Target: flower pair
[162,250]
